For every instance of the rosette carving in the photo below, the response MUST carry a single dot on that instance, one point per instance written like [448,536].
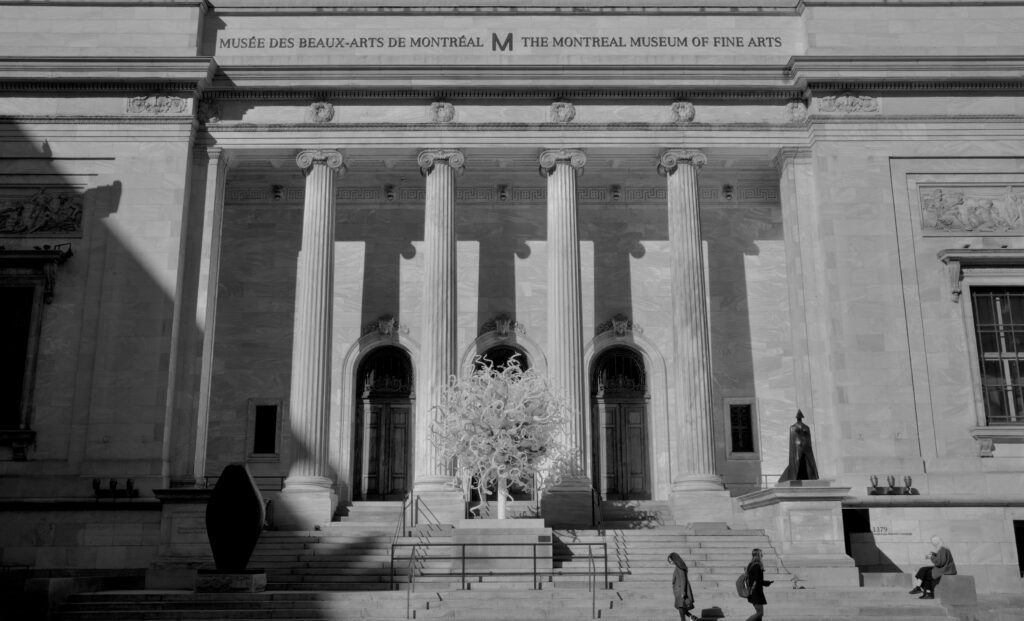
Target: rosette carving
[331,159]
[562,112]
[796,111]
[442,112]
[320,112]
[683,112]
[429,158]
[670,160]
[550,158]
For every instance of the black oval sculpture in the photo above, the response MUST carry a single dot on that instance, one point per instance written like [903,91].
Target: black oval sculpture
[234,518]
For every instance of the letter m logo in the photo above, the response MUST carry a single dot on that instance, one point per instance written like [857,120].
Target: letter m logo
[497,45]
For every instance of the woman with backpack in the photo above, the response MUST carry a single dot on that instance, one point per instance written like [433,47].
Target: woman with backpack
[756,584]
[681,587]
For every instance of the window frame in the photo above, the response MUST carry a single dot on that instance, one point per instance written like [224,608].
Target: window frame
[755,454]
[250,434]
[969,269]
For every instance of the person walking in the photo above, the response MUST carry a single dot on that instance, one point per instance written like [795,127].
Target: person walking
[755,578]
[681,587]
[941,565]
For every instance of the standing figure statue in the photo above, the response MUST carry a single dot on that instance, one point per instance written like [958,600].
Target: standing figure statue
[801,456]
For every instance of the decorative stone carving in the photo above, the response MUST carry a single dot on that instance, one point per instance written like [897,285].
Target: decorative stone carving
[670,160]
[234,518]
[550,158]
[986,446]
[157,104]
[619,325]
[847,104]
[442,112]
[562,112]
[796,111]
[386,326]
[320,112]
[429,158]
[42,213]
[954,276]
[209,111]
[504,326]
[306,159]
[683,112]
[972,209]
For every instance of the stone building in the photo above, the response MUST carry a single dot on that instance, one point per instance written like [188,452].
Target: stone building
[266,232]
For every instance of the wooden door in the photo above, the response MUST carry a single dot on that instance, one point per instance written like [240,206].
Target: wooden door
[620,462]
[384,449]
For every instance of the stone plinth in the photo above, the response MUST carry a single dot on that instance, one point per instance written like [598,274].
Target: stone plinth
[184,546]
[804,520]
[502,547]
[247,581]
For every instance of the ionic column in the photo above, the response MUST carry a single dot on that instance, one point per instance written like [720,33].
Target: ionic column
[437,360]
[695,458]
[565,316]
[308,494]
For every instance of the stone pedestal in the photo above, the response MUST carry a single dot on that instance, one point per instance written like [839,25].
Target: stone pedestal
[438,506]
[502,547]
[569,505]
[184,546]
[214,581]
[804,520]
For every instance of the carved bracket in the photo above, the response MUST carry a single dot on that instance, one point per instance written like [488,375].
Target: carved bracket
[504,325]
[386,326]
[619,325]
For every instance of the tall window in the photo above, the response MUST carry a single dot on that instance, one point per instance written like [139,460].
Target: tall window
[999,328]
[741,424]
[16,305]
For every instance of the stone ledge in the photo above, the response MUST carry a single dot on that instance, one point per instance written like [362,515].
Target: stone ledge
[796,491]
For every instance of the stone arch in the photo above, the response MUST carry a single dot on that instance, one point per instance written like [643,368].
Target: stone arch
[343,400]
[661,437]
[493,338]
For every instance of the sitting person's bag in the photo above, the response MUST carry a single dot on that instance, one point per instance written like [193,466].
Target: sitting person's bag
[743,585]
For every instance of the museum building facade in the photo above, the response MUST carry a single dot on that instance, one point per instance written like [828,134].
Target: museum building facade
[268,232]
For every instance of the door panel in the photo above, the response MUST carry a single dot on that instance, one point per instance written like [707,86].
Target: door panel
[620,458]
[384,451]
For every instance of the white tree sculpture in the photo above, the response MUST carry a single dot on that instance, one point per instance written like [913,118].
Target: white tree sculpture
[503,427]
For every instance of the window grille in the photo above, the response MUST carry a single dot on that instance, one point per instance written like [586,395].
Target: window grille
[999,329]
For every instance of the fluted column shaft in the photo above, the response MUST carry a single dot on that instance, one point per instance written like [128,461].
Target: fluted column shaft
[565,316]
[439,319]
[695,458]
[311,348]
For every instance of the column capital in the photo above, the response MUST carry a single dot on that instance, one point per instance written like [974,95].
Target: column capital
[550,158]
[671,159]
[332,159]
[430,157]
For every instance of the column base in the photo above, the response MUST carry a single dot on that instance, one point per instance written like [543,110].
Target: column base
[304,508]
[570,504]
[699,506]
[437,505]
[698,483]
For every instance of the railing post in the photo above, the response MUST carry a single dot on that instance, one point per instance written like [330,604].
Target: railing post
[463,547]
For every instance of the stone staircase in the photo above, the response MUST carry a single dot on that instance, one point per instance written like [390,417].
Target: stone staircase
[343,571]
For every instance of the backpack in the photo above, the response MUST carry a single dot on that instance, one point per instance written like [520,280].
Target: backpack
[743,585]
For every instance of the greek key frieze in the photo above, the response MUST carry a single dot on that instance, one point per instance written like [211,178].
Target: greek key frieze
[43,213]
[972,209]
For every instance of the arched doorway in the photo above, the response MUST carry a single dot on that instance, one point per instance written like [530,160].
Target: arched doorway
[383,425]
[619,413]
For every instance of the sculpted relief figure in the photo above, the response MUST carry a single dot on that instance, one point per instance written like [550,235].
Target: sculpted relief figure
[966,209]
[42,213]
[801,456]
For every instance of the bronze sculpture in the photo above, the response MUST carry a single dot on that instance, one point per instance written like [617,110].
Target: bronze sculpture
[801,456]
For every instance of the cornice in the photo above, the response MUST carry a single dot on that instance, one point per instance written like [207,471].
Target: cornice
[105,74]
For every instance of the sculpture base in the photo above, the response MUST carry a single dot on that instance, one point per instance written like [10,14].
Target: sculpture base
[216,581]
[569,505]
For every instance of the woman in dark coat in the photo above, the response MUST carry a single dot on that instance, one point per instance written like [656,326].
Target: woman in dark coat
[755,578]
[681,587]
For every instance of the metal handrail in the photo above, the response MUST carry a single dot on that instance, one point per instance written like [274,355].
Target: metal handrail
[462,557]
[592,579]
[400,527]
